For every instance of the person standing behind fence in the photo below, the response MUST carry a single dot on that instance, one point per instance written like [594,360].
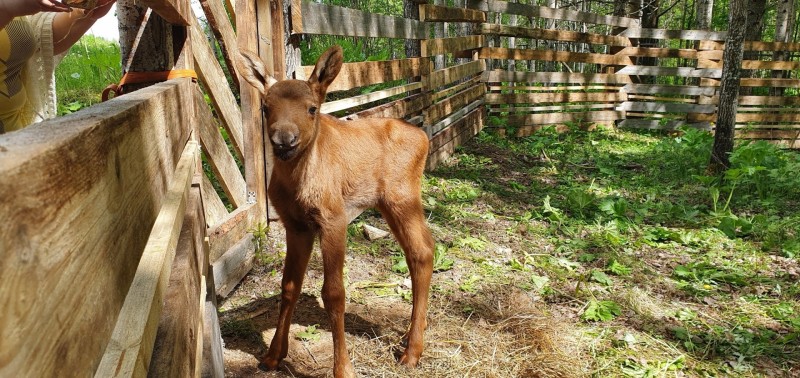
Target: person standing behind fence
[34,36]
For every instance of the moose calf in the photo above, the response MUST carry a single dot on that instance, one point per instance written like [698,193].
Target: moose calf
[326,172]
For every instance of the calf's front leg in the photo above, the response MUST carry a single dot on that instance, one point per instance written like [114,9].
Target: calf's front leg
[333,243]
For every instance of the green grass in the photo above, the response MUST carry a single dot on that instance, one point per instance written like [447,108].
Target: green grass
[90,65]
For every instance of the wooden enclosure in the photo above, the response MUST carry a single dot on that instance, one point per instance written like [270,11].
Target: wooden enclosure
[127,220]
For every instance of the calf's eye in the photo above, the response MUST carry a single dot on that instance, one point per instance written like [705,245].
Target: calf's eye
[312,110]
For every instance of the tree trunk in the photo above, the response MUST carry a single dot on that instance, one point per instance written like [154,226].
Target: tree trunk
[755,30]
[729,89]
[785,18]
[438,32]
[704,9]
[650,16]
[411,11]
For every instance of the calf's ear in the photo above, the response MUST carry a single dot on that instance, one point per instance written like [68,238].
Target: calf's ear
[254,72]
[326,69]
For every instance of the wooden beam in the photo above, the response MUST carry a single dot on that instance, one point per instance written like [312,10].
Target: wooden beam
[231,267]
[449,75]
[402,108]
[177,12]
[353,75]
[793,101]
[456,116]
[87,188]
[335,106]
[226,38]
[175,353]
[551,13]
[444,143]
[129,350]
[671,71]
[217,87]
[553,56]
[229,231]
[543,119]
[555,35]
[658,52]
[218,154]
[754,46]
[213,207]
[654,124]
[447,106]
[429,12]
[553,108]
[554,77]
[334,20]
[687,90]
[441,46]
[692,35]
[542,98]
[666,107]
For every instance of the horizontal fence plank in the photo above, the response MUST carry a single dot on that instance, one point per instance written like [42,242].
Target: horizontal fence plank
[754,46]
[768,134]
[335,106]
[86,190]
[353,75]
[232,229]
[449,75]
[770,65]
[443,145]
[666,107]
[402,108]
[769,100]
[551,13]
[438,95]
[215,83]
[543,98]
[230,268]
[333,20]
[671,71]
[554,35]
[553,108]
[431,130]
[756,82]
[213,207]
[686,90]
[661,124]
[658,52]
[219,156]
[553,77]
[428,12]
[692,35]
[553,56]
[447,106]
[558,88]
[552,118]
[440,46]
[129,350]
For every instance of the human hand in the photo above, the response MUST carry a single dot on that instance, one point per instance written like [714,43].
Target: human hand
[100,10]
[16,8]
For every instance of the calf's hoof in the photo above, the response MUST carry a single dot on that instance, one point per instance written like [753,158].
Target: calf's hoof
[268,364]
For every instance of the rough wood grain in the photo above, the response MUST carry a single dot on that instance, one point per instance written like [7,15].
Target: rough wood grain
[440,94]
[175,353]
[219,156]
[691,35]
[444,143]
[440,46]
[129,351]
[671,71]
[230,230]
[221,26]
[551,13]
[553,56]
[543,119]
[231,267]
[333,20]
[177,12]
[353,75]
[402,108]
[449,75]
[668,89]
[456,116]
[87,188]
[666,107]
[213,206]
[447,106]
[554,35]
[495,76]
[216,85]
[428,12]
[661,125]
[346,103]
[541,98]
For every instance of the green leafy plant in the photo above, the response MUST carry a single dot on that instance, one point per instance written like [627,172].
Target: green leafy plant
[602,278]
[441,262]
[617,268]
[259,232]
[310,334]
[601,311]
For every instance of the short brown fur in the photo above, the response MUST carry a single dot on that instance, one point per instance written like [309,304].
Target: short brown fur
[326,172]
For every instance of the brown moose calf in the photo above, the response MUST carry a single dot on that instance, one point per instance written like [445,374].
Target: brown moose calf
[326,172]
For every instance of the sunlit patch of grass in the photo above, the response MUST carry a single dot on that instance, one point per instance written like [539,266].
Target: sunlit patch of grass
[90,65]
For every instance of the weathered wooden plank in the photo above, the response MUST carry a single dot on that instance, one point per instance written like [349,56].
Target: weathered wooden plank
[438,95]
[666,107]
[553,77]
[449,75]
[401,108]
[756,82]
[355,75]
[177,12]
[770,65]
[554,35]
[553,56]
[686,90]
[441,109]
[231,267]
[333,20]
[585,88]
[219,156]
[432,130]
[231,230]
[541,98]
[444,143]
[692,35]
[556,108]
[86,190]
[216,85]
[440,46]
[346,103]
[671,71]
[770,117]
[429,12]
[221,26]
[661,124]
[658,52]
[213,206]
[663,99]
[768,134]
[769,100]
[542,119]
[551,13]
[129,351]
[213,363]
[709,55]
[175,353]
[754,46]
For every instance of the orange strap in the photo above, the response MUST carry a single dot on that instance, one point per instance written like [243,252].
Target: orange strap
[145,77]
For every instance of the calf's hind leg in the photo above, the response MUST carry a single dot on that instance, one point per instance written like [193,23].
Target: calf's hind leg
[407,221]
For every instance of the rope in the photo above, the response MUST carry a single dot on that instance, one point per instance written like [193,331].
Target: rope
[145,77]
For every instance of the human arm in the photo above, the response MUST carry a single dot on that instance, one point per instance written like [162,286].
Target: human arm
[15,8]
[68,28]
